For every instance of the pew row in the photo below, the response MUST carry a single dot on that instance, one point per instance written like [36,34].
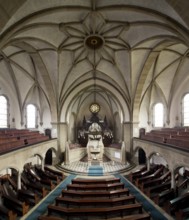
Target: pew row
[177,203]
[107,194]
[7,213]
[165,177]
[14,204]
[55,172]
[95,187]
[94,202]
[182,214]
[101,211]
[141,216]
[96,181]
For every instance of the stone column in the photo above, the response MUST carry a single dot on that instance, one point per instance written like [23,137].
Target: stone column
[63,135]
[135,127]
[127,133]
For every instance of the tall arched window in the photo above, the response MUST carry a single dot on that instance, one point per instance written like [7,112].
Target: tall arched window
[185,110]
[3,112]
[158,115]
[31,116]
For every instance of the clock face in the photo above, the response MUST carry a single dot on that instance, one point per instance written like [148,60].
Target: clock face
[94,108]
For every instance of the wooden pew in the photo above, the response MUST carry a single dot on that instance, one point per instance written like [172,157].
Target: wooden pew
[177,203]
[28,196]
[155,181]
[43,217]
[95,202]
[55,172]
[141,216]
[136,172]
[12,145]
[105,211]
[157,189]
[182,185]
[7,213]
[152,176]
[144,173]
[24,195]
[16,205]
[96,181]
[37,139]
[36,187]
[95,187]
[164,196]
[182,213]
[46,182]
[107,194]
[47,175]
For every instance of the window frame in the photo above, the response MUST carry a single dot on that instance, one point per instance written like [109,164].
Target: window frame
[35,117]
[7,110]
[183,112]
[154,115]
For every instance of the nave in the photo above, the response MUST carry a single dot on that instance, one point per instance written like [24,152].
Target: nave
[40,188]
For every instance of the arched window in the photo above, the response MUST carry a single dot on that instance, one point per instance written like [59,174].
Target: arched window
[185,110]
[158,115]
[3,112]
[31,116]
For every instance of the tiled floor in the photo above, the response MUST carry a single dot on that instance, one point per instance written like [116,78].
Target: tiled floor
[108,167]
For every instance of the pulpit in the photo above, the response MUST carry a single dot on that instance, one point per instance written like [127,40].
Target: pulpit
[95,147]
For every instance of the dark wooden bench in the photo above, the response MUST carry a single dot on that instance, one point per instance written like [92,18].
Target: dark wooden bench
[182,213]
[182,185]
[164,196]
[24,195]
[107,194]
[95,187]
[46,182]
[152,176]
[144,173]
[28,196]
[136,172]
[95,202]
[141,216]
[47,175]
[105,211]
[43,217]
[177,203]
[55,172]
[35,187]
[7,213]
[157,189]
[21,208]
[155,181]
[96,181]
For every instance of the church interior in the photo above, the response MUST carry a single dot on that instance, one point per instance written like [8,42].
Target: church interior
[94,109]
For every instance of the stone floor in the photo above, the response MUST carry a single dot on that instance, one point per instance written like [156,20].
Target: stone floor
[108,167]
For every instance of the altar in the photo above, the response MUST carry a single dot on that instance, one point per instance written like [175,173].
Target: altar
[95,146]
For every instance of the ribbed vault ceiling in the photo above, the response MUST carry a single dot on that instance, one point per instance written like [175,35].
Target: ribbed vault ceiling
[65,54]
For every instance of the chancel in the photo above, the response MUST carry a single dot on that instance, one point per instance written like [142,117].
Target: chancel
[94,109]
